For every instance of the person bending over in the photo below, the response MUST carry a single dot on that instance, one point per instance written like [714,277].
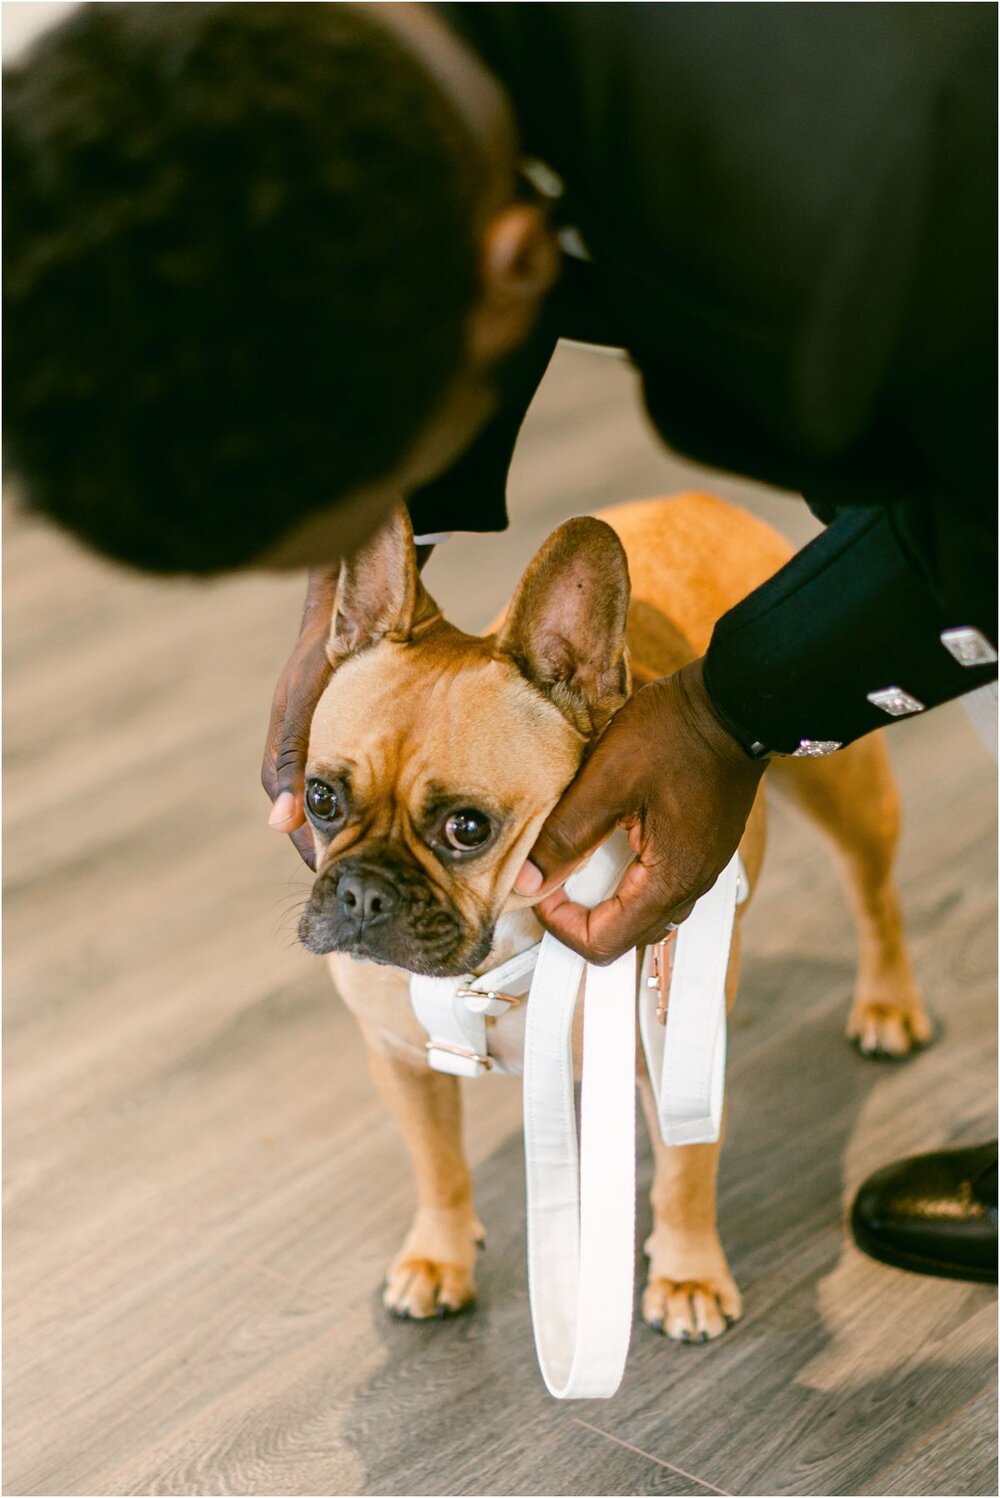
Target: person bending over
[272,267]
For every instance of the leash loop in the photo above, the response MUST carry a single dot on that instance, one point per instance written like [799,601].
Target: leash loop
[581,1212]
[581,1196]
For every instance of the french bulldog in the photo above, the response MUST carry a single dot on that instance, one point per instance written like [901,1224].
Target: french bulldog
[435,757]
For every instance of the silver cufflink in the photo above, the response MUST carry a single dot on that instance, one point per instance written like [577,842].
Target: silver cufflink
[968,646]
[813,748]
[895,702]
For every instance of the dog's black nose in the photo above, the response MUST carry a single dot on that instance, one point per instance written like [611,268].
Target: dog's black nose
[366,898]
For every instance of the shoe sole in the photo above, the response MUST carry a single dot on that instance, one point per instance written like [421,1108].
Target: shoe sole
[917,1264]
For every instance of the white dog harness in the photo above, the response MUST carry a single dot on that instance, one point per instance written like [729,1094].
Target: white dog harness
[581,1199]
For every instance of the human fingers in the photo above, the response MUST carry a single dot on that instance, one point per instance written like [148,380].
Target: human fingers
[300,686]
[636,914]
[588,810]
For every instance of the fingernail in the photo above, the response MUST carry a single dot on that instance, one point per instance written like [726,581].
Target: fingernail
[529,881]
[282,811]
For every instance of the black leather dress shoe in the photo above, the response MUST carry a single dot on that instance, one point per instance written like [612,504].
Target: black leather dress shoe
[933,1214]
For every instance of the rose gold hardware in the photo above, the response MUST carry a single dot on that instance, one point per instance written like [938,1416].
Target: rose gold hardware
[660,977]
[457,1050]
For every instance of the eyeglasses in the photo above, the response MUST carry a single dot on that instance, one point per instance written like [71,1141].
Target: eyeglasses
[541,179]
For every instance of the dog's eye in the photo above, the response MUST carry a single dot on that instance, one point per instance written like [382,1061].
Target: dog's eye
[467,829]
[323,801]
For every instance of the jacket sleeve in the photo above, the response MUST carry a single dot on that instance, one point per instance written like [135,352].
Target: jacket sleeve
[893,610]
[850,634]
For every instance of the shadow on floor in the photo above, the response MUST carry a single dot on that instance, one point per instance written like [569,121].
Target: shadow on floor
[468,1410]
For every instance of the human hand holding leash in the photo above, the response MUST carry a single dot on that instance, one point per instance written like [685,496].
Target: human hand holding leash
[671,774]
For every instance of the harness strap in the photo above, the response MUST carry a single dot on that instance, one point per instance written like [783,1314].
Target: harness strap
[454,1011]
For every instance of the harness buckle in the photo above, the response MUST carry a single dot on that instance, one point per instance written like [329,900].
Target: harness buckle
[660,977]
[487,1001]
[478,1063]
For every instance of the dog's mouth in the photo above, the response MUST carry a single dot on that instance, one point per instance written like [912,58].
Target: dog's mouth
[398,923]
[406,954]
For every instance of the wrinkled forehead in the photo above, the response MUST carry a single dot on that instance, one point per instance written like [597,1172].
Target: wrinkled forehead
[406,715]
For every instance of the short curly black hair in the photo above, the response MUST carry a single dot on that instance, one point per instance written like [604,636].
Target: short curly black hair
[239,257]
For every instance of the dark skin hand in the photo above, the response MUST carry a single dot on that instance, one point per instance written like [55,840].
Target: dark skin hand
[669,773]
[300,686]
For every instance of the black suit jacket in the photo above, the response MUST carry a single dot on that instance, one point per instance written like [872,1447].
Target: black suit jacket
[790,217]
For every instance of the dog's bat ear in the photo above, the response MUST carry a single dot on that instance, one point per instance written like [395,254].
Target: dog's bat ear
[379,593]
[565,629]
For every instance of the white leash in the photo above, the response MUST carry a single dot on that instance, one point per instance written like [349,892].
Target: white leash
[581,1209]
[581,1217]
[686,1056]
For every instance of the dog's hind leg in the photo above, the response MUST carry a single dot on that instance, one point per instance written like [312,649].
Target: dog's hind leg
[852,798]
[432,1275]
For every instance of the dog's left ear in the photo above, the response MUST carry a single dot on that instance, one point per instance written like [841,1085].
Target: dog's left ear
[565,628]
[379,592]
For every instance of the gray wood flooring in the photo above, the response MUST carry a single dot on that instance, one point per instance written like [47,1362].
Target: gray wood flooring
[202,1191]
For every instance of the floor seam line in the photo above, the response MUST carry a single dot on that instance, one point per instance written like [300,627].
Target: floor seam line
[670,1466]
[232,1256]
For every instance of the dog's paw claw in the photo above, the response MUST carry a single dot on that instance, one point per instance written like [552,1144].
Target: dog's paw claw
[447,1311]
[690,1311]
[422,1290]
[888,1032]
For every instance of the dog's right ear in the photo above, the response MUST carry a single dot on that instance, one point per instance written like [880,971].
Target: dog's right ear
[379,592]
[565,629]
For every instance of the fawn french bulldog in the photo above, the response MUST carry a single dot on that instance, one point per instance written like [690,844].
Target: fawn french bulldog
[434,758]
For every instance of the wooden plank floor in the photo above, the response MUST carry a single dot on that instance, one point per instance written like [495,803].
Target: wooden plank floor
[202,1191]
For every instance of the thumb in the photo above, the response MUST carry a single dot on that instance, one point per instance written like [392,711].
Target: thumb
[588,810]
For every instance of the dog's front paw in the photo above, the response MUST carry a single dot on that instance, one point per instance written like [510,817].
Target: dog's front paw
[691,1310]
[889,1030]
[420,1288]
[433,1273]
[690,1295]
